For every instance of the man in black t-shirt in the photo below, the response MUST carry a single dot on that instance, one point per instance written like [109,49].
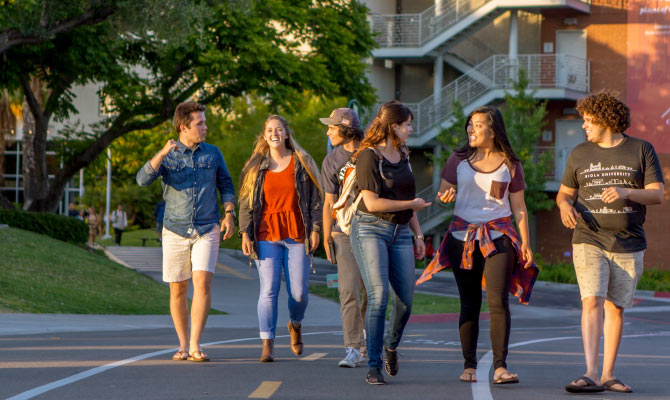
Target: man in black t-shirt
[345,134]
[608,182]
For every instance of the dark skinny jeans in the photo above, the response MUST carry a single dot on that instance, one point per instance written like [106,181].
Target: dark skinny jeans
[497,269]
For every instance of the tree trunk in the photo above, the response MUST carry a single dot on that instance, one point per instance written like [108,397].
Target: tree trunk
[35,178]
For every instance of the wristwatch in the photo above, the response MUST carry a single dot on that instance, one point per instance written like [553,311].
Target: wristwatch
[231,212]
[419,237]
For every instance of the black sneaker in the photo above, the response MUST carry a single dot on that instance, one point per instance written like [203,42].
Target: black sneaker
[391,364]
[374,377]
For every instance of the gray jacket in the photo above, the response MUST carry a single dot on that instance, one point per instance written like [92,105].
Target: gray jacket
[309,200]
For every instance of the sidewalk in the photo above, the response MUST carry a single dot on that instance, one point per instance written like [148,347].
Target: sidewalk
[234,291]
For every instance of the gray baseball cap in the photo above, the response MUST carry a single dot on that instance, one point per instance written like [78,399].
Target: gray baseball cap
[342,116]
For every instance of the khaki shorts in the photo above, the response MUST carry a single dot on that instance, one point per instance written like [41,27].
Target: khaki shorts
[183,255]
[605,274]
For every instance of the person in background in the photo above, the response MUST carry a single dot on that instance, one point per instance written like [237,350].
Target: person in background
[280,224]
[345,134]
[119,220]
[93,223]
[72,210]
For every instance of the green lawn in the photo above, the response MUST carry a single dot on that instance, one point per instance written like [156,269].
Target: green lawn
[423,303]
[43,275]
[134,238]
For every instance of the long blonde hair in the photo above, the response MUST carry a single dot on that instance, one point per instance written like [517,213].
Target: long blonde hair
[261,151]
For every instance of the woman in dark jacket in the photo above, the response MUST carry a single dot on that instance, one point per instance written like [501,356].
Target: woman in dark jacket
[280,222]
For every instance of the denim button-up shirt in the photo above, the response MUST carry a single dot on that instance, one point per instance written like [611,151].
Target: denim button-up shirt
[190,180]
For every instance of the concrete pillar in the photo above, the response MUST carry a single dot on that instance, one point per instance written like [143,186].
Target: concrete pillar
[438,72]
[439,7]
[513,43]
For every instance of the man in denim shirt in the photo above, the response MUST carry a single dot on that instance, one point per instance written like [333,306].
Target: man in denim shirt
[192,171]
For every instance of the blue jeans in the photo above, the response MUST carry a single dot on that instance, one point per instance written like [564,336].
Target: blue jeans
[385,254]
[273,257]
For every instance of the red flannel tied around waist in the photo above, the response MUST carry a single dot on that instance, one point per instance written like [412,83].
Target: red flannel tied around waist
[522,279]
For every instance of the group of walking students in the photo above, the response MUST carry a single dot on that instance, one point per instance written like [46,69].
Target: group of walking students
[286,204]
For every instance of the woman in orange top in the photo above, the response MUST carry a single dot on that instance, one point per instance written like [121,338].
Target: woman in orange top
[280,221]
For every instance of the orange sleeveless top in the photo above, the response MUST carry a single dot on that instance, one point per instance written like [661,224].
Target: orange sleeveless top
[282,218]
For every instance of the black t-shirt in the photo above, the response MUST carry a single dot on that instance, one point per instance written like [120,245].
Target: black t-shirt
[615,227]
[330,173]
[398,185]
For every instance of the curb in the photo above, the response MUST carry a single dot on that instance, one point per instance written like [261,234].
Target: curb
[115,258]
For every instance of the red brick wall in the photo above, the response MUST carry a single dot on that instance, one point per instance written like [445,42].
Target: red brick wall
[606,36]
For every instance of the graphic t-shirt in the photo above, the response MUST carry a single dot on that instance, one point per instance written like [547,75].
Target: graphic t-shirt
[615,227]
[398,183]
[482,196]
[330,173]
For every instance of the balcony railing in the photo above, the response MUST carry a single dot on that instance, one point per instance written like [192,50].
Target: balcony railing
[414,30]
[544,71]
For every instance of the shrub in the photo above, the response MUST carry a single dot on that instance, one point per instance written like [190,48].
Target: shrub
[59,227]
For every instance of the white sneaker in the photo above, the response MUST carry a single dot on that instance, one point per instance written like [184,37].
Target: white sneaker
[352,358]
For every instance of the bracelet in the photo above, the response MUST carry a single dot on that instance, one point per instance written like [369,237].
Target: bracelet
[440,202]
[417,237]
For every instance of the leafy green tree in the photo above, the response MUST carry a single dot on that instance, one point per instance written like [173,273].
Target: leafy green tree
[233,132]
[31,22]
[275,49]
[524,118]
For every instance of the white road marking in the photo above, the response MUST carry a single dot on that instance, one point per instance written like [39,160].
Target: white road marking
[29,394]
[481,390]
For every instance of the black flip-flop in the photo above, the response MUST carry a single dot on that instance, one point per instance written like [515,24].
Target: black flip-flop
[608,386]
[590,386]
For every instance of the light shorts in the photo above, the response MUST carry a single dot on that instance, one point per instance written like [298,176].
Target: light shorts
[183,255]
[605,274]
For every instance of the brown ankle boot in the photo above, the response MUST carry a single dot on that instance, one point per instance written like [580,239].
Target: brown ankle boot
[268,350]
[296,338]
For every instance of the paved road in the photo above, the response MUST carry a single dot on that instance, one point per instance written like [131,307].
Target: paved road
[127,357]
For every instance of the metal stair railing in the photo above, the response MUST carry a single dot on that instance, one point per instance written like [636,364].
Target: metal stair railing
[414,30]
[434,211]
[555,71]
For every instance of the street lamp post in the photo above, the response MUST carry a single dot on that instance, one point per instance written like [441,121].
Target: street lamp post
[108,197]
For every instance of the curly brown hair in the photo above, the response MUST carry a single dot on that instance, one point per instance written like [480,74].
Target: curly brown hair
[606,110]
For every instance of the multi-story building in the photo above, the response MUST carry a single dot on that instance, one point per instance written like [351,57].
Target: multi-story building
[433,51]
[87,104]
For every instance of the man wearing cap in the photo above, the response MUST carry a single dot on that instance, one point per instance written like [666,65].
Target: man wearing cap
[345,134]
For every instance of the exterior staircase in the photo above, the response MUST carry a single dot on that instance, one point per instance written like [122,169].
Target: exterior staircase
[439,27]
[551,76]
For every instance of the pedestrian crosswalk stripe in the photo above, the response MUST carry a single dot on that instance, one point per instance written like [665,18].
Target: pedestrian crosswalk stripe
[313,356]
[265,390]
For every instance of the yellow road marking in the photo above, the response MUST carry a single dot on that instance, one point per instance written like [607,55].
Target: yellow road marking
[313,356]
[265,390]
[233,272]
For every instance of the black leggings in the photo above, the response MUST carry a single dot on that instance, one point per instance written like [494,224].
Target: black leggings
[497,270]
